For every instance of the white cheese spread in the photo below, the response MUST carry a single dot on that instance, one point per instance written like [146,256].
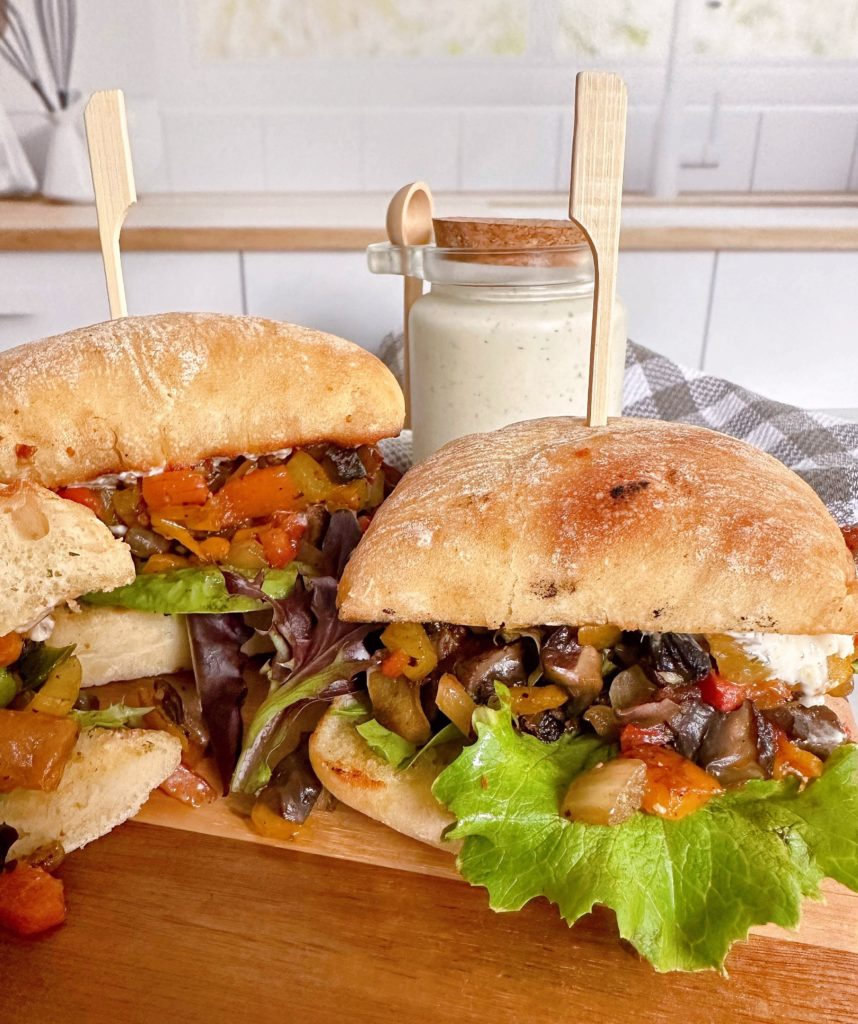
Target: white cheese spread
[798,660]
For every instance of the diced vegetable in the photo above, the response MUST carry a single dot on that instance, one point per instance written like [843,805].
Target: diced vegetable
[144,543]
[215,549]
[790,759]
[603,720]
[11,646]
[689,727]
[530,700]
[8,687]
[630,687]
[396,704]
[189,787]
[60,690]
[280,543]
[577,668]
[164,563]
[840,675]
[175,531]
[650,713]
[34,749]
[734,662]
[31,900]
[412,638]
[246,553]
[38,661]
[283,807]
[175,487]
[311,480]
[720,693]
[634,736]
[92,497]
[126,504]
[455,702]
[679,657]
[600,637]
[729,749]
[258,494]
[675,787]
[608,794]
[395,664]
[817,728]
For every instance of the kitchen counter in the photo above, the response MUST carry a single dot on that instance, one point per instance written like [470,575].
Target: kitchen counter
[349,222]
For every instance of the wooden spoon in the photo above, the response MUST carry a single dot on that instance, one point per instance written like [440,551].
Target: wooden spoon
[113,181]
[595,197]
[409,222]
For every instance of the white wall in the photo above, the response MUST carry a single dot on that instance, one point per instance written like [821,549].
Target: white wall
[308,124]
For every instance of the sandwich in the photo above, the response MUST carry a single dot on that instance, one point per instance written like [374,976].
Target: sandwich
[203,443]
[67,776]
[608,667]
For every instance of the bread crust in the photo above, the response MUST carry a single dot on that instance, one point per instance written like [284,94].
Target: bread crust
[149,391]
[52,552]
[403,800]
[643,524]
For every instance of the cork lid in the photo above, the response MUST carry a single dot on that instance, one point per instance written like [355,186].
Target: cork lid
[512,241]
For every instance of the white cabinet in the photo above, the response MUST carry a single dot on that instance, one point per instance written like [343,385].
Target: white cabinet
[331,291]
[784,324]
[667,300]
[46,293]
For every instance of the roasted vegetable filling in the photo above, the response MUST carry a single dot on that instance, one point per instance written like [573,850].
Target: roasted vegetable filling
[247,513]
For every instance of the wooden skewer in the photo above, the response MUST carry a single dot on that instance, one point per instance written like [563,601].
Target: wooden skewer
[595,197]
[113,181]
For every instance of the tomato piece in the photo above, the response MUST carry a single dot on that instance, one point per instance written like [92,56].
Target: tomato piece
[395,664]
[175,487]
[91,497]
[189,787]
[721,694]
[675,786]
[258,494]
[790,759]
[280,543]
[31,900]
[11,646]
[633,736]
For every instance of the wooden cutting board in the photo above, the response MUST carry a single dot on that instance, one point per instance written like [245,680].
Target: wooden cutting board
[347,835]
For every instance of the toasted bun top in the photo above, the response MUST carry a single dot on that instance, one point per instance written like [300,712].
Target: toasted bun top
[643,524]
[151,391]
[51,551]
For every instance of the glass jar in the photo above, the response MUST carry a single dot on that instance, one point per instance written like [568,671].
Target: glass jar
[500,336]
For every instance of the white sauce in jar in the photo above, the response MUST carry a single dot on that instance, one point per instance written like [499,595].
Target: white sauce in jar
[483,357]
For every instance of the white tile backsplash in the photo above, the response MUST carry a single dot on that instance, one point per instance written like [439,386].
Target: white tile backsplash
[666,295]
[513,149]
[783,324]
[314,151]
[733,151]
[407,145]
[809,150]
[214,152]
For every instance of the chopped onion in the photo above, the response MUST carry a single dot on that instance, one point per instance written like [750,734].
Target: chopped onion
[603,720]
[650,713]
[608,794]
[456,703]
[630,687]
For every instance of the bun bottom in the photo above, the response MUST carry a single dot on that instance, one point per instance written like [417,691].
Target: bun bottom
[120,643]
[403,800]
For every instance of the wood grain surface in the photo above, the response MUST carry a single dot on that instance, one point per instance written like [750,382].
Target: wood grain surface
[174,926]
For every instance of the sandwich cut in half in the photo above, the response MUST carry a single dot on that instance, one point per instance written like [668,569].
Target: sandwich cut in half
[214,448]
[610,674]
[67,776]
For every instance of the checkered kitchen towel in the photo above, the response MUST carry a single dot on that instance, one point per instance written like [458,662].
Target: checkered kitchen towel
[821,449]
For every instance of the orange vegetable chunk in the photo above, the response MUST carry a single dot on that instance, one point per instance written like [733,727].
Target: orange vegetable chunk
[31,900]
[175,487]
[675,786]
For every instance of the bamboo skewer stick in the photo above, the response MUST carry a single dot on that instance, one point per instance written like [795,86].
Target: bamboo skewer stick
[595,197]
[113,181]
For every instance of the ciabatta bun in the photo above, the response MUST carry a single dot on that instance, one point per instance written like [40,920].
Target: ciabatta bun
[642,524]
[121,643]
[403,800]
[149,391]
[52,551]
[109,776]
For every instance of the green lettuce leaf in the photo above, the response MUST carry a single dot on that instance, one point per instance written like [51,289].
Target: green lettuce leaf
[193,591]
[114,717]
[389,746]
[448,734]
[683,891]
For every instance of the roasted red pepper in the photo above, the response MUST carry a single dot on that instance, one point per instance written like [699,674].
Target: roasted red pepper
[721,694]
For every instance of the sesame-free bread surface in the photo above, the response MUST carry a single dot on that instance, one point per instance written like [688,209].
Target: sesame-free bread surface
[108,778]
[150,391]
[52,551]
[641,523]
[401,799]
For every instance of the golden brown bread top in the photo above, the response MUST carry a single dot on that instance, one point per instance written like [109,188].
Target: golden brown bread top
[171,389]
[52,551]
[643,524]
